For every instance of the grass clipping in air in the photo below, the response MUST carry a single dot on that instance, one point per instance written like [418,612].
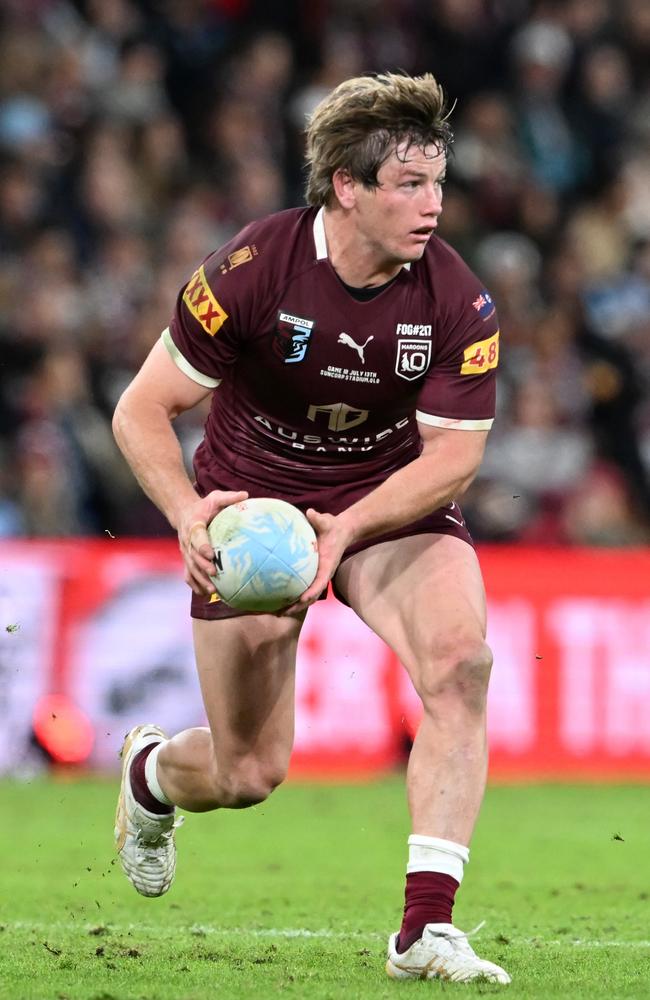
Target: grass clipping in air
[296,897]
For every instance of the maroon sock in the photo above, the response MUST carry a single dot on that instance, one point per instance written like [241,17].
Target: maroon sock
[429,899]
[139,785]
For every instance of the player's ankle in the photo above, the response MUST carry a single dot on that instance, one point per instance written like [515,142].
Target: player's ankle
[144,783]
[429,899]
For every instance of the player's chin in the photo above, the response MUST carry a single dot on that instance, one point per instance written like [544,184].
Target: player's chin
[414,249]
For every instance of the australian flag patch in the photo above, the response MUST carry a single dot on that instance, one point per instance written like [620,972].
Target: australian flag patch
[484,305]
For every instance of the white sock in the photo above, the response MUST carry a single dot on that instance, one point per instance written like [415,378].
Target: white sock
[432,854]
[151,776]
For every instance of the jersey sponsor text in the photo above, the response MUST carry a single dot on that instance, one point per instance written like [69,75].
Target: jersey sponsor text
[202,304]
[481,356]
[339,417]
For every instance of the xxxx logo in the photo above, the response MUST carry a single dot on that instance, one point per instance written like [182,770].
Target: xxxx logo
[202,304]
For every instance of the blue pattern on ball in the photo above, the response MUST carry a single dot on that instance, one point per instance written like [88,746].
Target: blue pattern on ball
[265,553]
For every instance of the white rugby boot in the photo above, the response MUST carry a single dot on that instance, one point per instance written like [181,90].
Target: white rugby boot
[443,952]
[144,840]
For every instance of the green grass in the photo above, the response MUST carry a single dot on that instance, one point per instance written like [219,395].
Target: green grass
[295,898]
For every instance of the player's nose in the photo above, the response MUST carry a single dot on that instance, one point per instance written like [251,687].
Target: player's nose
[433,201]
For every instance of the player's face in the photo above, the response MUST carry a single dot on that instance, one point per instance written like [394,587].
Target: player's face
[396,218]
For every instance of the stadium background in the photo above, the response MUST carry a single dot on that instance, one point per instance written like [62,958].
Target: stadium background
[137,136]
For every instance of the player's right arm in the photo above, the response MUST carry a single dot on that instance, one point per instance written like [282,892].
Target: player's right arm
[143,429]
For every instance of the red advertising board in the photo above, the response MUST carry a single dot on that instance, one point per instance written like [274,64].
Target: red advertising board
[578,624]
[106,624]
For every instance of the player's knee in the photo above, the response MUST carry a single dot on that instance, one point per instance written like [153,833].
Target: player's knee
[251,781]
[458,681]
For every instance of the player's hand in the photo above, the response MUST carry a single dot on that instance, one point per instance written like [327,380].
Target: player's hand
[194,540]
[333,538]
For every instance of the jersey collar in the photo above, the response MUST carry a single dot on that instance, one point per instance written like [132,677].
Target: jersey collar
[320,240]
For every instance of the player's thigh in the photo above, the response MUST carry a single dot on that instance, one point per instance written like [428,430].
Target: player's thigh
[246,668]
[424,596]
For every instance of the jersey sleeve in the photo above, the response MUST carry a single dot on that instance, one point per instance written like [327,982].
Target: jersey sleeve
[212,314]
[459,390]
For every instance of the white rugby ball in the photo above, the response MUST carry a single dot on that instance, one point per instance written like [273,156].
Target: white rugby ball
[265,553]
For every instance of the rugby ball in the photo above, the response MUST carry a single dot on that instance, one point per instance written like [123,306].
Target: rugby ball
[265,554]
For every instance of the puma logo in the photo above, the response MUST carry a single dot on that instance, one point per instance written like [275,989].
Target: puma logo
[346,339]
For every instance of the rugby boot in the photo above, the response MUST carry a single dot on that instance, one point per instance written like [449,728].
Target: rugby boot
[443,952]
[144,840]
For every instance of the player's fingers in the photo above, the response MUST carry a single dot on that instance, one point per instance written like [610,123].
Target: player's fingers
[200,581]
[218,499]
[194,583]
[317,520]
[315,589]
[198,566]
[296,610]
[200,543]
[312,593]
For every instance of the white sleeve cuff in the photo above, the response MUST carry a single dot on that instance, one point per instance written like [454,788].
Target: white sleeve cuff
[451,424]
[183,364]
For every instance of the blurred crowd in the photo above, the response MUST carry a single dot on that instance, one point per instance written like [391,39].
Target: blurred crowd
[138,135]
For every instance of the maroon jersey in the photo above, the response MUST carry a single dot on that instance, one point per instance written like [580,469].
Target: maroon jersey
[318,395]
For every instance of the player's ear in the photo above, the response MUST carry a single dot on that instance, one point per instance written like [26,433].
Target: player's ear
[344,187]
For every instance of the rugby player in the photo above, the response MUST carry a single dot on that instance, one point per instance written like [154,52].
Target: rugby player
[350,358]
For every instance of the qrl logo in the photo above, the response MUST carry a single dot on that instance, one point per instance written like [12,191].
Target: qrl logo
[340,416]
[413,357]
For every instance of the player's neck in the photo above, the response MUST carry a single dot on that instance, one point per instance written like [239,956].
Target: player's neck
[352,258]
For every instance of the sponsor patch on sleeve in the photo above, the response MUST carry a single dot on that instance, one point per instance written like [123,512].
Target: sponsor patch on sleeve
[481,356]
[202,304]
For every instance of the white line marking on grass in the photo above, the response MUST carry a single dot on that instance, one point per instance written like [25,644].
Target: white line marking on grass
[204,930]
[578,943]
[195,930]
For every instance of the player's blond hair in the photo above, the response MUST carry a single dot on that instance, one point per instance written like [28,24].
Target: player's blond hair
[364,119]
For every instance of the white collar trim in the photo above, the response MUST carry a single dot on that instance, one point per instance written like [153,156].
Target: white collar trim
[320,240]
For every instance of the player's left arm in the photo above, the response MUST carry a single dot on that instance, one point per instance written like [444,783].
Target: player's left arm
[448,463]
[445,468]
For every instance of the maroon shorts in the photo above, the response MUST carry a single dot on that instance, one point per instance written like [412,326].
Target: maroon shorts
[444,521]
